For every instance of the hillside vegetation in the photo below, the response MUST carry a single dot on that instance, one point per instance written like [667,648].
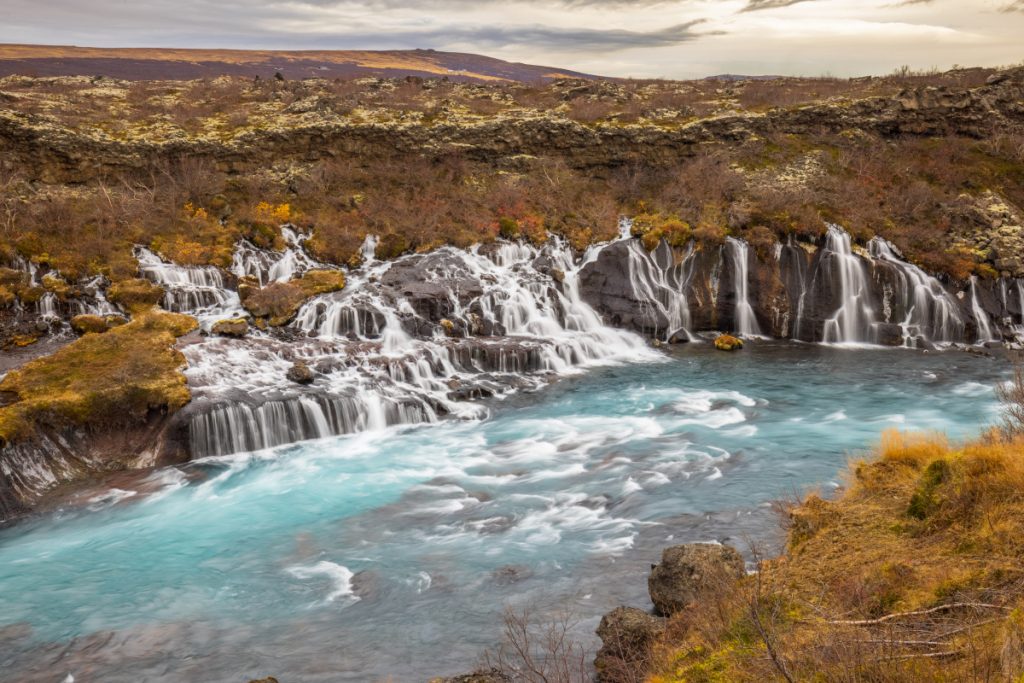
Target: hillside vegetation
[912,574]
[101,380]
[932,162]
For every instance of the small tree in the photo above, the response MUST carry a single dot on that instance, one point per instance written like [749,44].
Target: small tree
[1011,395]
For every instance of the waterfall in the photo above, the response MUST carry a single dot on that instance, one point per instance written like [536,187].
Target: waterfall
[660,284]
[744,319]
[197,290]
[854,320]
[47,307]
[927,310]
[985,332]
[407,341]
[268,266]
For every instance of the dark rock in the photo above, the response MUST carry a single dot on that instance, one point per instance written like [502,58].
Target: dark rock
[889,334]
[300,373]
[689,572]
[509,574]
[627,635]
[480,676]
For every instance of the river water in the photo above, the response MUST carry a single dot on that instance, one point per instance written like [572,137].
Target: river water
[393,553]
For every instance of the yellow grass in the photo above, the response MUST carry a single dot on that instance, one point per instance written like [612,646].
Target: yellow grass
[925,526]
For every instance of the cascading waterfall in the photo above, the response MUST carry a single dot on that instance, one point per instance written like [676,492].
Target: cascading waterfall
[854,320]
[47,307]
[985,332]
[198,290]
[405,342]
[744,319]
[928,311]
[273,266]
[660,284]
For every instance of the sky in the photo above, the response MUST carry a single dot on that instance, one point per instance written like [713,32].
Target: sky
[640,38]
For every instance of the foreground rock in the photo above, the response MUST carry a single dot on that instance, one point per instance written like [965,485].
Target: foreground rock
[491,676]
[690,572]
[627,635]
[232,327]
[300,373]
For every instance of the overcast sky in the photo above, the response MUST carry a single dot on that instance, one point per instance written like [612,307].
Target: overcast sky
[643,38]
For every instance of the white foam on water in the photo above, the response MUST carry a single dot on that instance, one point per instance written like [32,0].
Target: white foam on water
[835,417]
[339,576]
[972,389]
[110,497]
[716,419]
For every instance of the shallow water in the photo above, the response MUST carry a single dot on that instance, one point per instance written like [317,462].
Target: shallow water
[395,552]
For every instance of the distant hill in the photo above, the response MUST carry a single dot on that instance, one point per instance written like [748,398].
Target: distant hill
[187,64]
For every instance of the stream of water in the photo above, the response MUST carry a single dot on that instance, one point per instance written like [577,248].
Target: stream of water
[393,552]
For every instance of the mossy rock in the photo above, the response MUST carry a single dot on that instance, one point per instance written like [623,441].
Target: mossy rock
[392,246]
[31,295]
[7,297]
[100,380]
[22,340]
[232,327]
[727,342]
[89,324]
[57,285]
[137,294]
[278,302]
[315,282]
[10,276]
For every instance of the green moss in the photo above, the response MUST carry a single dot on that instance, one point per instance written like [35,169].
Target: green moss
[727,342]
[137,294]
[89,324]
[924,500]
[278,302]
[100,379]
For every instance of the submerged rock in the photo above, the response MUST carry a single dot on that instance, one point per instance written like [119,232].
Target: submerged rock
[689,572]
[627,635]
[300,373]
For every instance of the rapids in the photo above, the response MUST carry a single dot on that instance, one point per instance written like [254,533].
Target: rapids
[394,550]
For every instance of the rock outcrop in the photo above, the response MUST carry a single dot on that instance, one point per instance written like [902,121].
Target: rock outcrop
[627,635]
[50,153]
[690,572]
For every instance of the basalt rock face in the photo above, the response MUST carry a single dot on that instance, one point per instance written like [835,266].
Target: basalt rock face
[30,469]
[830,291]
[49,153]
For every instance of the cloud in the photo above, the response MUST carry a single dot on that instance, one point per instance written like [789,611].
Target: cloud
[755,5]
[1017,6]
[574,38]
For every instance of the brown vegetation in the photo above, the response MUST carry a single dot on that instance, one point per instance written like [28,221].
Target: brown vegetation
[100,380]
[912,574]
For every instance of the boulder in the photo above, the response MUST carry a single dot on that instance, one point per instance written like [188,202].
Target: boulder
[231,327]
[727,342]
[689,572]
[889,334]
[300,373]
[86,323]
[627,635]
[479,676]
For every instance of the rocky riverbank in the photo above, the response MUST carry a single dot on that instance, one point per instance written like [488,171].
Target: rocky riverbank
[428,336]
